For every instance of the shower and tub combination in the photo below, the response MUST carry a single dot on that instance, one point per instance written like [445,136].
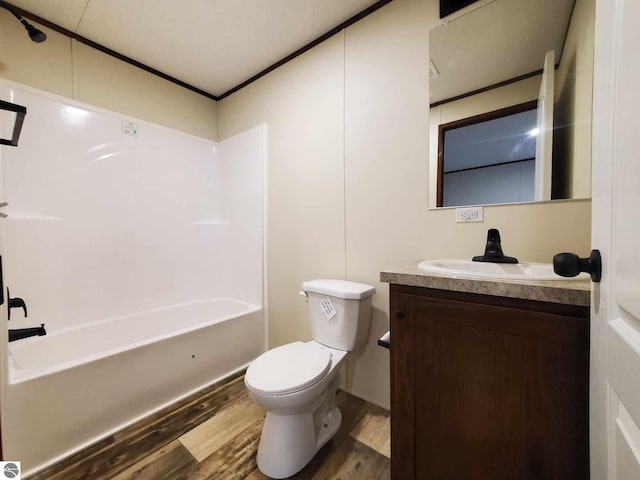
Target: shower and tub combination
[141,248]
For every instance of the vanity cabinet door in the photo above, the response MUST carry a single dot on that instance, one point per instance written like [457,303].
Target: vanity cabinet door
[487,388]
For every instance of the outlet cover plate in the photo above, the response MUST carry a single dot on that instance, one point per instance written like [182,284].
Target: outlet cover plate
[469,214]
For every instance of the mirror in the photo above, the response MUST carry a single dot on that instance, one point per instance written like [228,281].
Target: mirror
[510,95]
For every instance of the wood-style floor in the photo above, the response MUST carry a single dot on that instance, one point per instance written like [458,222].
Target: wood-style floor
[214,434]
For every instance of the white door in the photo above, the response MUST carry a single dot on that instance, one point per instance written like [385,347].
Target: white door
[544,141]
[615,322]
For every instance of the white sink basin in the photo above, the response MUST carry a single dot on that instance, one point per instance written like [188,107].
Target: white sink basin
[505,271]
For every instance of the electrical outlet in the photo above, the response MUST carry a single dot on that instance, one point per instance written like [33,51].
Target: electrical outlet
[469,214]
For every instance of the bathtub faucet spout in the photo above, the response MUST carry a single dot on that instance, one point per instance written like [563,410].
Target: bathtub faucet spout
[20,333]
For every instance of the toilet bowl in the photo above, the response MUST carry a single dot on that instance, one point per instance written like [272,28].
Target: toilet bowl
[297,383]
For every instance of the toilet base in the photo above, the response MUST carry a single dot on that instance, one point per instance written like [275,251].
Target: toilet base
[289,442]
[298,424]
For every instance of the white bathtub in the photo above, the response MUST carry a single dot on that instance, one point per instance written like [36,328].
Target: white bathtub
[73,387]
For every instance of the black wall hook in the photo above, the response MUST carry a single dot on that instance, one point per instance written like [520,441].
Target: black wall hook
[570,265]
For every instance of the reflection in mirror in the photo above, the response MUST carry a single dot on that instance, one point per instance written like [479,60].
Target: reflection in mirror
[488,158]
[488,85]
[447,7]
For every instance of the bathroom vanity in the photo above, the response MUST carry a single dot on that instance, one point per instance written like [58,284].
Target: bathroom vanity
[489,378]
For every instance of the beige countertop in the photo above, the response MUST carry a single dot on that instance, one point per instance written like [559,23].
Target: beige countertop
[570,292]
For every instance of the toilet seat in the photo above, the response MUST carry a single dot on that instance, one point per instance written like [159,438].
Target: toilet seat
[288,368]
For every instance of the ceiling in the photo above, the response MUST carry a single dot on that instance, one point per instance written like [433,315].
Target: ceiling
[497,41]
[213,45]
[217,45]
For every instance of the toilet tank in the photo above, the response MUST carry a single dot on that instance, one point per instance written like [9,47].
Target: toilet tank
[339,312]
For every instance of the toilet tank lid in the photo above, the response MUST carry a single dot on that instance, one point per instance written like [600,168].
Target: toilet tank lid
[339,288]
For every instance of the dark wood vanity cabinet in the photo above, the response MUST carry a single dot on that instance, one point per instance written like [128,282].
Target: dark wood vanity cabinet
[487,388]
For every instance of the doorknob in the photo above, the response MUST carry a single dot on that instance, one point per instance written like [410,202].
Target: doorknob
[570,265]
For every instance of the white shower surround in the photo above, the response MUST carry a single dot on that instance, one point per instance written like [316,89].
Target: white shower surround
[144,257]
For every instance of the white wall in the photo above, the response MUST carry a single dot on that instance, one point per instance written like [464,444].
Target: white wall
[348,177]
[302,103]
[65,67]
[385,164]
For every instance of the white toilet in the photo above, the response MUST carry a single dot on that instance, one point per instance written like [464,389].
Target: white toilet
[296,383]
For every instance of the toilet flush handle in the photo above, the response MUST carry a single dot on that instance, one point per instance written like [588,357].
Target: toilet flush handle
[304,294]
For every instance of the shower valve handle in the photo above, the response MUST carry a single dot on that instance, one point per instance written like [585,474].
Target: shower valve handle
[15,303]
